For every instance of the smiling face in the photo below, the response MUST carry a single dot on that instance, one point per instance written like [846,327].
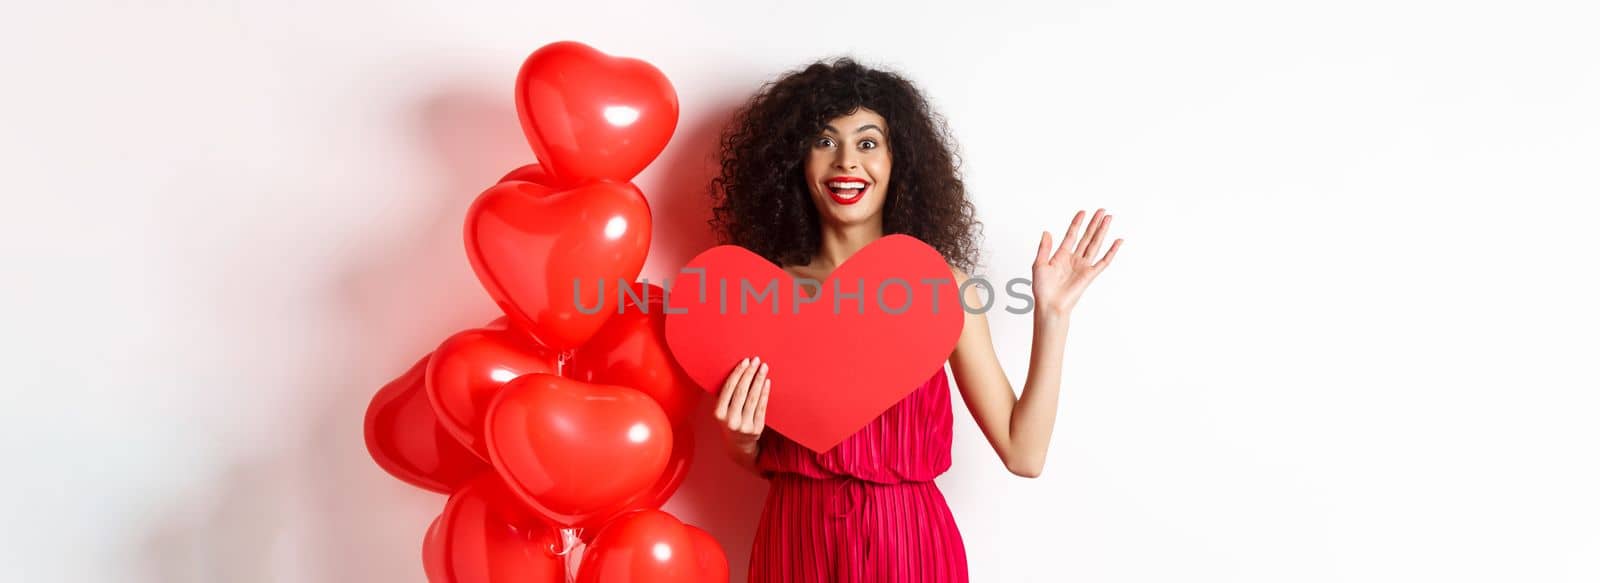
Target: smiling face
[847,168]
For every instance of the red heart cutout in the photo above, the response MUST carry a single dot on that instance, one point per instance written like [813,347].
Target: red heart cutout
[832,373]
[574,450]
[528,244]
[591,116]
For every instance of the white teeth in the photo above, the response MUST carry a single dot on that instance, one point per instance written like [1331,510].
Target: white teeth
[847,185]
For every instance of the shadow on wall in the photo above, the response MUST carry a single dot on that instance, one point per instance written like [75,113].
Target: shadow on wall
[316,508]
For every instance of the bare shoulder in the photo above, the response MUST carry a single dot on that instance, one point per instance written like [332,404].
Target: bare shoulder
[974,330]
[970,294]
[956,272]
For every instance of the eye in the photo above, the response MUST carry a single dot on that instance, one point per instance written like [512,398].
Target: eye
[824,142]
[868,144]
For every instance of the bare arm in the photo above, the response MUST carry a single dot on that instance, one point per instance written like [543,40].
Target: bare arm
[1019,428]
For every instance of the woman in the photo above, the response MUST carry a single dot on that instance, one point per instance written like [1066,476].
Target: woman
[816,166]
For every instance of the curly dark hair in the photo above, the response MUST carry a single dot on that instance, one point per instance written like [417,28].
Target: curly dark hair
[761,202]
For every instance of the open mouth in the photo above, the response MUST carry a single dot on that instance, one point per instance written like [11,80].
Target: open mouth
[847,190]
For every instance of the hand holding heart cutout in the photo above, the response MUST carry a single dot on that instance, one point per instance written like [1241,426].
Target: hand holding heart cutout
[833,370]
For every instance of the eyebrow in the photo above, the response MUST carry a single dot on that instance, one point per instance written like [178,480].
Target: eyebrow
[858,130]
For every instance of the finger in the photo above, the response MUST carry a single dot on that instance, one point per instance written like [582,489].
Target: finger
[761,407]
[741,388]
[726,395]
[1088,234]
[1044,250]
[1066,240]
[735,409]
[756,385]
[1110,253]
[1094,245]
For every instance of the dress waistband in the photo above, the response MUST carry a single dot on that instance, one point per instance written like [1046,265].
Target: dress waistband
[847,496]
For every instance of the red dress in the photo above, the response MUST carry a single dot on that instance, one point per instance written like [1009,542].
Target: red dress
[866,510]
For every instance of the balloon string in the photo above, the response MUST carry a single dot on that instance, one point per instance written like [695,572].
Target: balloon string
[569,541]
[563,358]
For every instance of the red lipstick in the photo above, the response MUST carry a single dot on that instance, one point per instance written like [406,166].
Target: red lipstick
[846,189]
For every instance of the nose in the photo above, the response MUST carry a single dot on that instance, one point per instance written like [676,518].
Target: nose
[845,160]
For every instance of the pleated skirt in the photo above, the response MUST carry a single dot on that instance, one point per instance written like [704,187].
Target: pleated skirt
[846,530]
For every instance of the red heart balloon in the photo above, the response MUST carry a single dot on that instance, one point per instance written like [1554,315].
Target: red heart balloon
[831,373]
[469,368]
[631,351]
[708,552]
[574,450]
[406,439]
[659,492]
[529,244]
[431,558]
[531,173]
[591,116]
[651,546]
[481,537]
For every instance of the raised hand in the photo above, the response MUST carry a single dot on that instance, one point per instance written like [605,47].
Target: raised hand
[1060,278]
[742,404]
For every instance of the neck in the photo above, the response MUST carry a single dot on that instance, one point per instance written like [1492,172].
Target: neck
[839,242]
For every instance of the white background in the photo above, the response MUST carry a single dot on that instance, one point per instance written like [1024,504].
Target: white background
[1351,336]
